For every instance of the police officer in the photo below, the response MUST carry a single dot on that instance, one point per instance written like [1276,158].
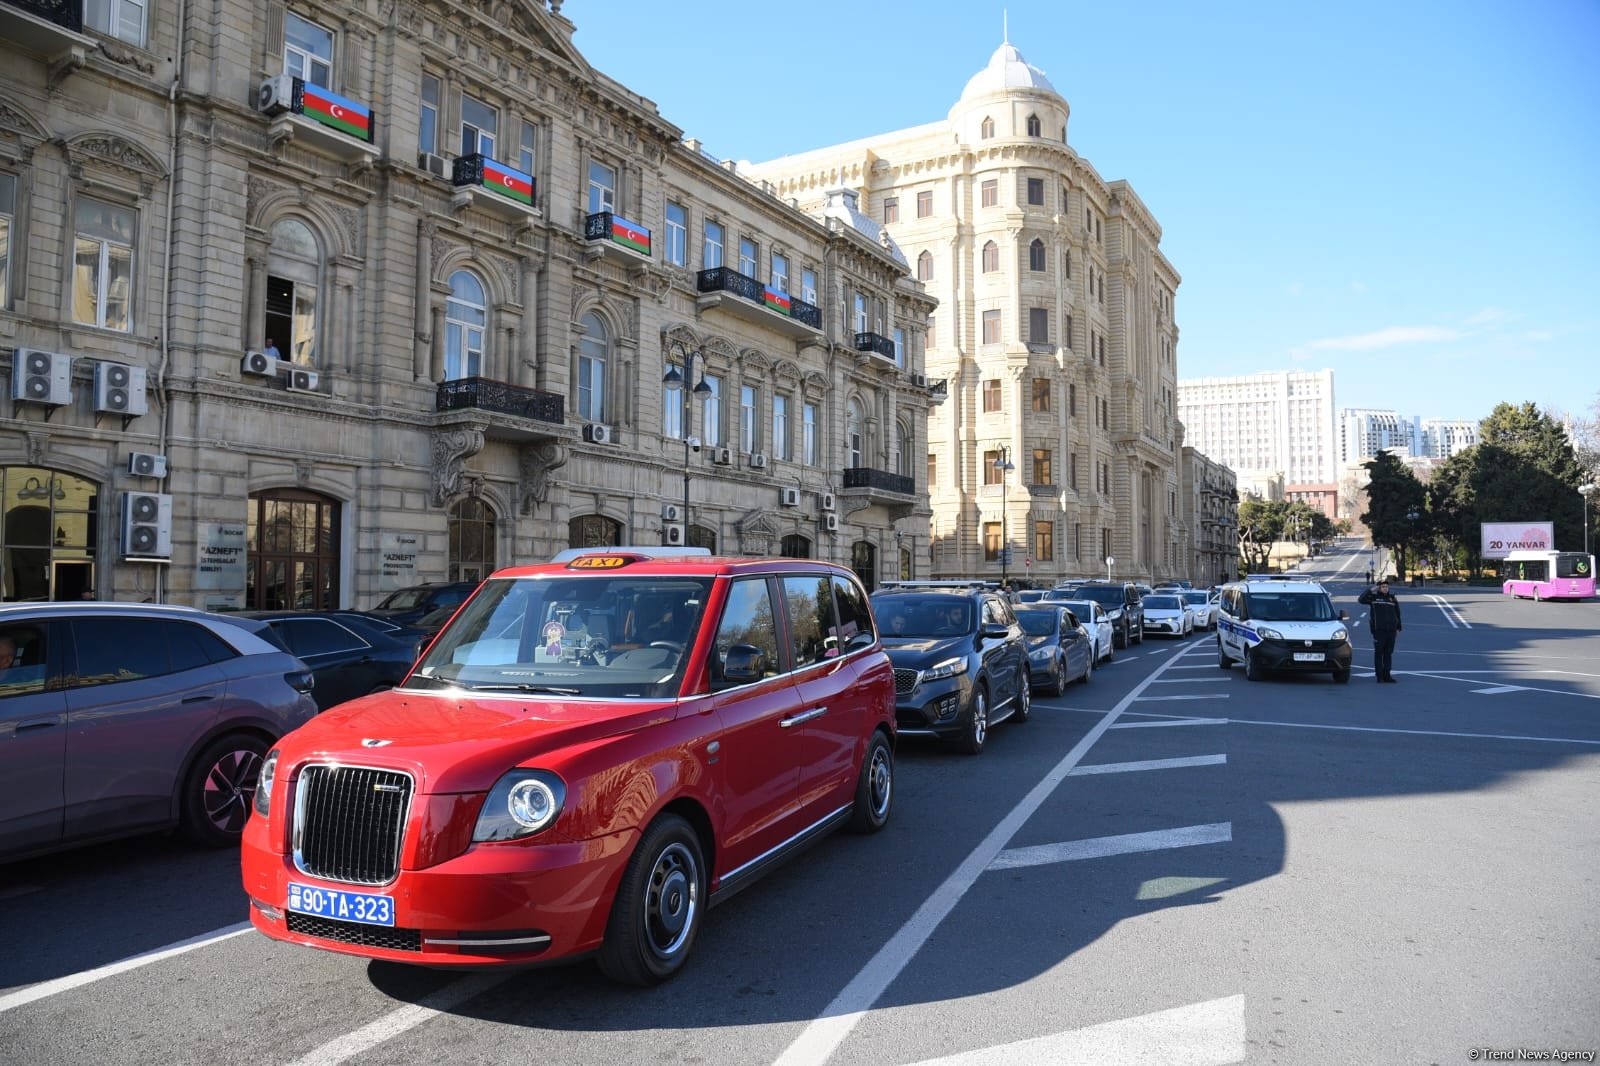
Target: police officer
[1383,617]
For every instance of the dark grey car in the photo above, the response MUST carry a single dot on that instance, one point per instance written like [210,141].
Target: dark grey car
[118,719]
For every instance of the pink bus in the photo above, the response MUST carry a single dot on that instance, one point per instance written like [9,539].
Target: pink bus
[1548,575]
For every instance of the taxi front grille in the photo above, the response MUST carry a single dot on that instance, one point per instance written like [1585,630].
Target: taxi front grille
[349,822]
[905,681]
[367,936]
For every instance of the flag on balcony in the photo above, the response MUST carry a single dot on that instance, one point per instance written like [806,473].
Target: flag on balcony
[508,182]
[629,235]
[335,111]
[777,300]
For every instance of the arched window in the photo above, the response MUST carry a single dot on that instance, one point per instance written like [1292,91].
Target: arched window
[593,353]
[905,564]
[472,541]
[594,531]
[902,448]
[1036,260]
[294,273]
[925,266]
[1034,126]
[47,534]
[986,130]
[991,257]
[465,319]
[795,546]
[703,537]
[864,561]
[854,443]
[292,541]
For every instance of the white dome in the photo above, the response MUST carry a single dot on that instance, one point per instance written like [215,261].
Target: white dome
[1006,70]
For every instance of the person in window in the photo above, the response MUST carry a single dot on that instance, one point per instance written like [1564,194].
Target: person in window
[8,652]
[271,351]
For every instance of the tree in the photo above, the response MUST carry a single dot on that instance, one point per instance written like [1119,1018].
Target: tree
[1532,473]
[1586,441]
[1260,524]
[1396,507]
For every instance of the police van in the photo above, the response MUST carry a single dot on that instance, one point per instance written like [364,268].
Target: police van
[1271,624]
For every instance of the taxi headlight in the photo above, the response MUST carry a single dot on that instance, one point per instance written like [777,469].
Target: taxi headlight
[1269,633]
[948,668]
[264,783]
[520,804]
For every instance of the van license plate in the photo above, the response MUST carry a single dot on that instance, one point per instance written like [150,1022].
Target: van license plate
[1308,656]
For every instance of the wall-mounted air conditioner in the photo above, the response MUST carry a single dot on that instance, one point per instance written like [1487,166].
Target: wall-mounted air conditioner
[595,433]
[722,456]
[789,497]
[830,523]
[434,164]
[758,461]
[147,464]
[260,363]
[671,512]
[301,380]
[41,377]
[276,95]
[829,503]
[146,525]
[919,380]
[119,388]
[672,533]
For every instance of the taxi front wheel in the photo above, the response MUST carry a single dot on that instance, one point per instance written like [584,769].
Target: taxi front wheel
[659,904]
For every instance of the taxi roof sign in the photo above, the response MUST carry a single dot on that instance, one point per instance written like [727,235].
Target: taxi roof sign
[626,553]
[601,562]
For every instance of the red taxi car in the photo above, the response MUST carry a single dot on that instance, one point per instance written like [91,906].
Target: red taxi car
[590,755]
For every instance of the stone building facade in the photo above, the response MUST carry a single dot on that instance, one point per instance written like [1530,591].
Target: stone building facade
[1054,332]
[303,303]
[1211,517]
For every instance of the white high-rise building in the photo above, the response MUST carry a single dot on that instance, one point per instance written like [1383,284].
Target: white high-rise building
[1280,422]
[1364,432]
[1440,438]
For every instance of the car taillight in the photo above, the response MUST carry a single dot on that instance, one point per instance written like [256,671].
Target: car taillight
[300,680]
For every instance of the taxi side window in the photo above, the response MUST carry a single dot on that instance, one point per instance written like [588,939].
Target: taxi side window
[810,619]
[22,660]
[748,622]
[855,615]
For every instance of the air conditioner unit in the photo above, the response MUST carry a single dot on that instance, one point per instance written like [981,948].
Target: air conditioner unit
[147,525]
[41,377]
[919,381]
[147,464]
[671,512]
[830,522]
[758,461]
[260,363]
[673,533]
[829,503]
[722,456]
[119,388]
[595,433]
[301,380]
[276,95]
[434,164]
[790,497]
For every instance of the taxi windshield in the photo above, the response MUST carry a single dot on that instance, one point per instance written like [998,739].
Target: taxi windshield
[600,635]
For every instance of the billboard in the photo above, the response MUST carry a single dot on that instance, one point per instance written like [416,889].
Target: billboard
[1502,538]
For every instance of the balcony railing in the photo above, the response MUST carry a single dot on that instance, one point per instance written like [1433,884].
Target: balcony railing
[939,391]
[481,394]
[773,301]
[68,14]
[613,229]
[865,477]
[875,343]
[509,184]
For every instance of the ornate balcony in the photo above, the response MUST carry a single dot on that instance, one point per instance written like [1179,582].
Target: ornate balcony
[896,492]
[50,28]
[939,391]
[609,232]
[875,343]
[756,302]
[517,413]
[499,189]
[326,121]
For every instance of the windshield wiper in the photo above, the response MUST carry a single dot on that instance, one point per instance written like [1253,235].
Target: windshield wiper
[525,686]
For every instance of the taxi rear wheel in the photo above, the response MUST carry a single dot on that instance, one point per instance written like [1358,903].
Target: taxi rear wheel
[658,907]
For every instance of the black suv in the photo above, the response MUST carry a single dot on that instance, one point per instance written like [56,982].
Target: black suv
[408,605]
[1123,605]
[960,661]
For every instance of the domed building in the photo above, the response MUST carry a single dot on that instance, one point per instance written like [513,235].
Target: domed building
[1053,347]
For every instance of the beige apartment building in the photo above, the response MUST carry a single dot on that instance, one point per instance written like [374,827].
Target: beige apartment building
[1054,332]
[1210,505]
[301,303]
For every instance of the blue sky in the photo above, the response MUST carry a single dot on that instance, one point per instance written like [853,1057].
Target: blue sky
[1405,193]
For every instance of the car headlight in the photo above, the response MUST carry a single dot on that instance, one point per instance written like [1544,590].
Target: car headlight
[948,668]
[520,804]
[1040,654]
[264,783]
[1269,633]
[1340,634]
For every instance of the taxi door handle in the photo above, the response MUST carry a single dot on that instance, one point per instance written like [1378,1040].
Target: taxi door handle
[804,716]
[198,699]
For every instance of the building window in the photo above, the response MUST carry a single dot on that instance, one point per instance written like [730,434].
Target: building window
[1072,400]
[991,474]
[602,188]
[711,412]
[808,286]
[465,319]
[891,211]
[428,115]
[808,434]
[1072,468]
[1036,256]
[1044,541]
[1043,474]
[854,443]
[294,269]
[712,236]
[1066,331]
[677,234]
[8,214]
[933,470]
[472,537]
[991,327]
[795,546]
[749,258]
[594,531]
[47,541]
[102,269]
[594,351]
[1036,192]
[780,427]
[991,257]
[1039,325]
[1041,395]
[1033,129]
[528,149]
[925,203]
[986,128]
[1066,263]
[925,266]
[780,272]
[292,551]
[991,395]
[989,193]
[480,128]
[748,398]
[991,542]
[307,47]
[902,448]
[861,312]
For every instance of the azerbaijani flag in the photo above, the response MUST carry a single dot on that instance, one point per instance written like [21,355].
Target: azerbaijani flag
[509,182]
[776,299]
[333,110]
[629,235]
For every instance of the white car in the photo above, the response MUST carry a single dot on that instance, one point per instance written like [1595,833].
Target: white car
[1204,605]
[1093,617]
[1167,614]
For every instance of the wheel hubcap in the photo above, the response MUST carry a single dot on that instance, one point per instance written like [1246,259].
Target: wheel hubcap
[672,901]
[880,782]
[230,789]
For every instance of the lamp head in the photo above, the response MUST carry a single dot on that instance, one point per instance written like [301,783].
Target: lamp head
[672,379]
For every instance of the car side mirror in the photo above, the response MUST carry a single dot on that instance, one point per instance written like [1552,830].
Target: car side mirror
[1344,616]
[995,630]
[743,665]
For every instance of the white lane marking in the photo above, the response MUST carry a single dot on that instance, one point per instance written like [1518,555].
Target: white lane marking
[1171,721]
[1148,764]
[1498,689]
[1195,666]
[393,1024]
[1201,1034]
[45,989]
[1192,680]
[1412,732]
[1123,844]
[822,1036]
[1197,696]
[1479,680]
[1449,611]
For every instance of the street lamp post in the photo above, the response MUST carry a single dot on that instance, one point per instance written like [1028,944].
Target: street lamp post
[1586,491]
[676,382]
[1003,465]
